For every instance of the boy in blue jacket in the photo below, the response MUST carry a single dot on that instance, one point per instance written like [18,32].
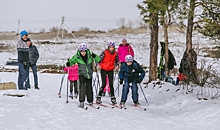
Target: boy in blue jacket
[131,72]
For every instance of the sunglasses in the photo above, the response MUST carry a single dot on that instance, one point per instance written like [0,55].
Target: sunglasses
[26,35]
[82,51]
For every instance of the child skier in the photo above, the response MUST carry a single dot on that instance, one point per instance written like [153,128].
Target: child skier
[109,61]
[84,59]
[72,77]
[131,72]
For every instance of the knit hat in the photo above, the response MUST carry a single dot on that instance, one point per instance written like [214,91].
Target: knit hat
[22,33]
[111,44]
[128,58]
[124,40]
[82,47]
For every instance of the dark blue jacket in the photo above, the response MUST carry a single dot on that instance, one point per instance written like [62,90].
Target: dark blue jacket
[33,54]
[23,51]
[132,71]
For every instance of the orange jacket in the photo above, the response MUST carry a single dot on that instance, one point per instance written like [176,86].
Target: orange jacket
[108,61]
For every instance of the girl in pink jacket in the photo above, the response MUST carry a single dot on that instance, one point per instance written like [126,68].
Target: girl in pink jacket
[123,50]
[72,77]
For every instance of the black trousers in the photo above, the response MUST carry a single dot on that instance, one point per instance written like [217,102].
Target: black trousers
[75,86]
[110,79]
[85,89]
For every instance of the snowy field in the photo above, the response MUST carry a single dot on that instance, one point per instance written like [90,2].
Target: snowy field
[167,108]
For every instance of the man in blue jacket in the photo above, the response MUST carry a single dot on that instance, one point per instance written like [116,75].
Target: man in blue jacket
[131,72]
[23,61]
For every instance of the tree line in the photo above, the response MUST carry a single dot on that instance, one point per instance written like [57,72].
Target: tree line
[200,15]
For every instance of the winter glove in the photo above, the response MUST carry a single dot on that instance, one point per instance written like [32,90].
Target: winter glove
[116,69]
[67,64]
[139,80]
[93,55]
[25,65]
[121,81]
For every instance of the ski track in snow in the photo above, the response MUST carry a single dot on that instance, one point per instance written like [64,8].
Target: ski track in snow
[43,110]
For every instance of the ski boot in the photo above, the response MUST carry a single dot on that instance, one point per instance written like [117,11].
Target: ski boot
[90,104]
[103,94]
[122,104]
[109,94]
[136,103]
[75,95]
[36,87]
[81,104]
[71,95]
[98,100]
[113,100]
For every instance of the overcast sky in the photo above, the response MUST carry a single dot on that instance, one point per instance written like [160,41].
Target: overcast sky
[37,14]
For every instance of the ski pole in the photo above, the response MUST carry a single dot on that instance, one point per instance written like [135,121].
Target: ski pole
[97,76]
[117,89]
[67,86]
[61,84]
[94,85]
[118,86]
[24,84]
[143,93]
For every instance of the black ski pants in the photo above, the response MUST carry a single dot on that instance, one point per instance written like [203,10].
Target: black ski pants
[75,86]
[110,79]
[85,89]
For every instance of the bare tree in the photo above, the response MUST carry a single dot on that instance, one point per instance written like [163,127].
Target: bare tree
[121,23]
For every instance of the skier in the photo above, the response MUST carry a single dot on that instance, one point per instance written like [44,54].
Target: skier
[23,61]
[33,56]
[72,77]
[109,62]
[131,72]
[123,50]
[84,59]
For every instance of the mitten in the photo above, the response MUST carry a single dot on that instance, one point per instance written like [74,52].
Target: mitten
[68,64]
[25,65]
[93,55]
[121,81]
[139,80]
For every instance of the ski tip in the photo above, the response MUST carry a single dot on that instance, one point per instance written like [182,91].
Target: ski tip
[98,107]
[86,108]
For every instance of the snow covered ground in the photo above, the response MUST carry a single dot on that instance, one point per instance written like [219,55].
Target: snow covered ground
[168,109]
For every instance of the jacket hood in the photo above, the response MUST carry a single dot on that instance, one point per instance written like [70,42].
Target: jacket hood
[127,44]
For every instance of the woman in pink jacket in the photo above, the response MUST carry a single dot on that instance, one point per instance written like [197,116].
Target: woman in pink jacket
[72,77]
[123,50]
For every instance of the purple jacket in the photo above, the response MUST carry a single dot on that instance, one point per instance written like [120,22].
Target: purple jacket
[124,50]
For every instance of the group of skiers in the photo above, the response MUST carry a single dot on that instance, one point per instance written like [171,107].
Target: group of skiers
[109,61]
[27,58]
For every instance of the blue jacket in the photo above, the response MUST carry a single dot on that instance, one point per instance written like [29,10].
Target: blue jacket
[33,54]
[132,71]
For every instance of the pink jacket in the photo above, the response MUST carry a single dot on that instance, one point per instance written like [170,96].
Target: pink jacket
[73,72]
[124,50]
